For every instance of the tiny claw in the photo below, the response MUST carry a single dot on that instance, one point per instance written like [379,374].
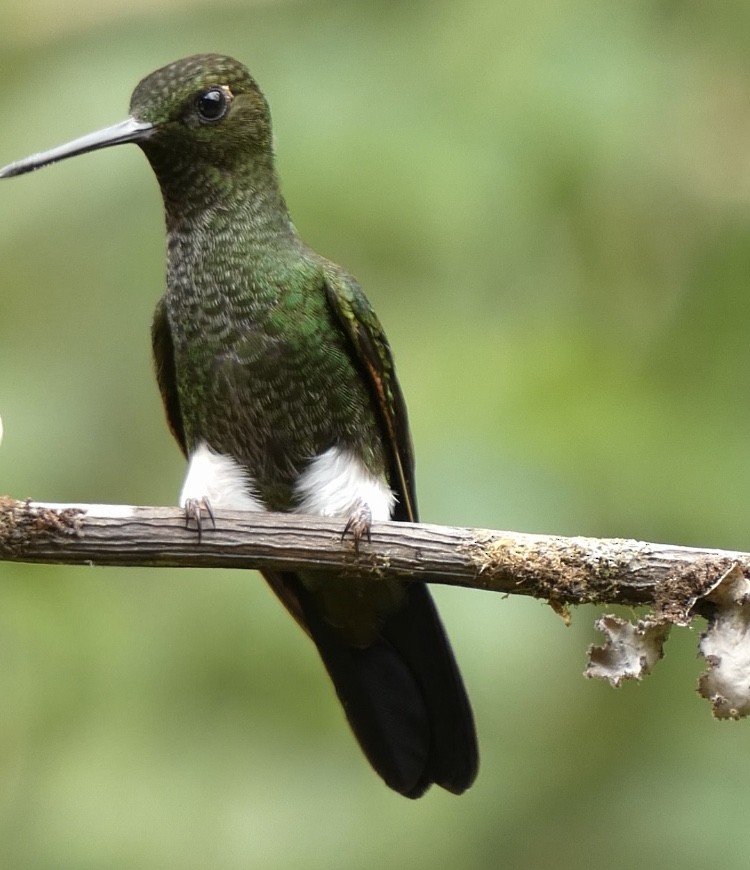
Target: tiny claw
[194,508]
[359,525]
[210,511]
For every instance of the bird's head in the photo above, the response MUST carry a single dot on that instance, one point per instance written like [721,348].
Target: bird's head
[201,115]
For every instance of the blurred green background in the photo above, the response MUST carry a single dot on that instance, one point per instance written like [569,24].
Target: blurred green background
[549,207]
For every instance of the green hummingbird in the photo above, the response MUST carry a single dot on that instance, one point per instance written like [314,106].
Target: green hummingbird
[279,386]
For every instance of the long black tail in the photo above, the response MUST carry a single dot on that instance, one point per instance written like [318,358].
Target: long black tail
[403,695]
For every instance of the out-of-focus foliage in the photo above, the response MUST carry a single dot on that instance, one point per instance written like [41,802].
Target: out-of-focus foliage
[549,206]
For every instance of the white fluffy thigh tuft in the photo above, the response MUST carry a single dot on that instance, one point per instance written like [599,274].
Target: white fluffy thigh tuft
[337,484]
[220,480]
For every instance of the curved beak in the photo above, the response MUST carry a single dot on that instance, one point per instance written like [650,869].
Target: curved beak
[129,130]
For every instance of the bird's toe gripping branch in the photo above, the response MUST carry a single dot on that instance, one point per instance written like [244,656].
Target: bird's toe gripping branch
[194,510]
[359,525]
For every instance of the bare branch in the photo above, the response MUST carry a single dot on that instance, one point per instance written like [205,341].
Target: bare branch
[671,579]
[676,582]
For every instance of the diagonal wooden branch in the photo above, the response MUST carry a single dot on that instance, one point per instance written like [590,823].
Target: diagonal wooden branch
[671,579]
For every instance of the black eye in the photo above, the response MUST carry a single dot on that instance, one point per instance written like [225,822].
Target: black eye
[212,105]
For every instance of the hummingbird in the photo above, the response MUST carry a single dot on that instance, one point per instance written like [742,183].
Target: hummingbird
[279,386]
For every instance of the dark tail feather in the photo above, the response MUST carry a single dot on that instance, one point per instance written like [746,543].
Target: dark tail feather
[417,634]
[403,695]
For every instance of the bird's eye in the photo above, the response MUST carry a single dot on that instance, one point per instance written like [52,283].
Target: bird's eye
[212,105]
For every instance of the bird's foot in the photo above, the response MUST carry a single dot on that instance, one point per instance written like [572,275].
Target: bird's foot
[358,525]
[194,508]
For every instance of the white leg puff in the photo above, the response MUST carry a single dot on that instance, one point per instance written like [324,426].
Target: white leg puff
[337,484]
[219,481]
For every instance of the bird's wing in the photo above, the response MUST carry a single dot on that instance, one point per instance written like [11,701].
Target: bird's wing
[373,353]
[161,342]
